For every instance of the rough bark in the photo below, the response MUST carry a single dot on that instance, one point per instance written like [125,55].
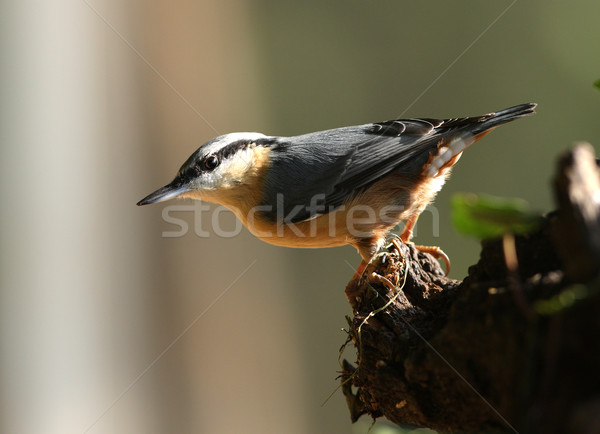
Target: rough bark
[505,350]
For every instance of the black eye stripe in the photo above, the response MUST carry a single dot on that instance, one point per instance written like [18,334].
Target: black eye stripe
[239,145]
[232,148]
[197,164]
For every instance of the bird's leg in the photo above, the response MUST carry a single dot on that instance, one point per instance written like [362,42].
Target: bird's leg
[406,234]
[434,251]
[368,249]
[352,289]
[360,270]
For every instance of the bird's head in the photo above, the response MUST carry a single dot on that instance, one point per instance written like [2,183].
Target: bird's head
[224,170]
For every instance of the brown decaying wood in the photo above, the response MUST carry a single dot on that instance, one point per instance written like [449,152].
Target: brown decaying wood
[464,356]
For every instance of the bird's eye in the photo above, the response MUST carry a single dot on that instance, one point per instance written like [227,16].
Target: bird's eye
[211,162]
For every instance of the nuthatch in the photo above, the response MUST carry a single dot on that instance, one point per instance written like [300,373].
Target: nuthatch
[348,185]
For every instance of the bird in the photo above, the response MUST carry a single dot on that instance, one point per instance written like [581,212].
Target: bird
[349,185]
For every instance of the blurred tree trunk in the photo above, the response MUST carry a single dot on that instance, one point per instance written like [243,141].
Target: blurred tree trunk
[74,299]
[507,349]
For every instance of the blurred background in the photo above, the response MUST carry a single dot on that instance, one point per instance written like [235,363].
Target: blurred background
[106,325]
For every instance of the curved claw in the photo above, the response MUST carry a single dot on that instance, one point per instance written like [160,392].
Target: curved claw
[437,253]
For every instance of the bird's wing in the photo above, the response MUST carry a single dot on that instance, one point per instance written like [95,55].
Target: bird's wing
[316,173]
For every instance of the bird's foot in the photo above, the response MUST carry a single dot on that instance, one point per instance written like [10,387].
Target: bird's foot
[437,253]
[434,251]
[352,287]
[360,271]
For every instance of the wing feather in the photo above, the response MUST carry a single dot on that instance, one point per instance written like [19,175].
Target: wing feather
[315,173]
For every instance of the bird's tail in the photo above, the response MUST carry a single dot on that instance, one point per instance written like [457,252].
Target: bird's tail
[463,132]
[481,125]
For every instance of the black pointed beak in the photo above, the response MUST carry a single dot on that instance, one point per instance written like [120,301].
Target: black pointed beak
[167,192]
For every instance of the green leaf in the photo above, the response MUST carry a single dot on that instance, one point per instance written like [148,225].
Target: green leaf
[485,216]
[565,299]
[597,84]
